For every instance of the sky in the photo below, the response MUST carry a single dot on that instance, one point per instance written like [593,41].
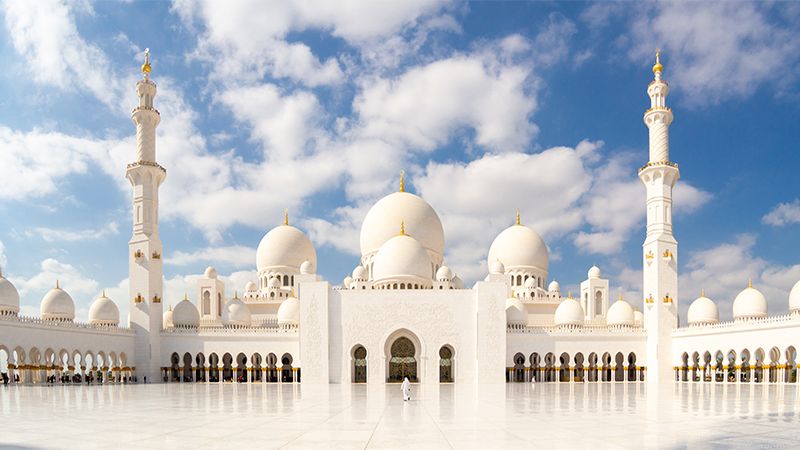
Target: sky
[489,107]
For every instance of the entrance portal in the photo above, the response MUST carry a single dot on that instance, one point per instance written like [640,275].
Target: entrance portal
[402,362]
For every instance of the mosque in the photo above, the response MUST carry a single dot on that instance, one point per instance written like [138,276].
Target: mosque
[403,312]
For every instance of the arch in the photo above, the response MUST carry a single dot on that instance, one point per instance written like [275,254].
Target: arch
[213,368]
[286,280]
[219,304]
[632,367]
[186,375]
[707,366]
[684,367]
[774,358]
[286,368]
[402,350]
[579,373]
[359,364]
[549,367]
[758,366]
[563,368]
[227,367]
[446,369]
[272,368]
[206,302]
[695,366]
[519,368]
[744,374]
[791,365]
[535,360]
[255,363]
[606,361]
[592,367]
[731,373]
[719,367]
[598,303]
[241,368]
[619,367]
[200,372]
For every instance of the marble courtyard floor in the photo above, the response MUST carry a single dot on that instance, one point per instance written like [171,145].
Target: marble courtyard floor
[611,415]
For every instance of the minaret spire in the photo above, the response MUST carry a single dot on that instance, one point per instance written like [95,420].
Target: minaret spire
[286,216]
[402,181]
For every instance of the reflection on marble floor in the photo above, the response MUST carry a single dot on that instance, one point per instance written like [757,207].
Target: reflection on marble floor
[448,416]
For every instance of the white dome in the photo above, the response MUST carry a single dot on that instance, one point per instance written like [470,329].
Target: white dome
[750,303]
[421,222]
[289,312]
[530,283]
[185,314]
[236,313]
[210,272]
[360,273]
[9,297]
[444,274]
[274,282]
[594,272]
[284,246]
[496,267]
[402,258]
[167,318]
[569,312]
[306,268]
[638,317]
[620,313]
[702,311]
[515,312]
[57,305]
[104,312]
[794,298]
[554,286]
[348,280]
[519,247]
[458,283]
[250,287]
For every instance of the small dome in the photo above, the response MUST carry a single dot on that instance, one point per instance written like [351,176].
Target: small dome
[620,314]
[594,272]
[402,258]
[348,280]
[530,283]
[166,319]
[496,267]
[57,305]
[360,273]
[421,221]
[274,282]
[250,287]
[284,246]
[749,304]
[554,286]
[457,282]
[569,313]
[185,314]
[104,312]
[289,312]
[306,268]
[9,297]
[638,317]
[210,272]
[794,297]
[519,246]
[515,312]
[702,311]
[444,274]
[236,313]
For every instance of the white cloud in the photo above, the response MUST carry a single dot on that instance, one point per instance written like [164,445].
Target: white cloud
[783,214]
[724,270]
[58,235]
[45,34]
[715,50]
[3,257]
[234,255]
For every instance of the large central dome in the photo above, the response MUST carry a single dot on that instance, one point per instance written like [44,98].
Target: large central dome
[519,247]
[421,222]
[284,246]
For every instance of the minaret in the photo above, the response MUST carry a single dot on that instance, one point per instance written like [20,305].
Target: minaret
[660,248]
[145,272]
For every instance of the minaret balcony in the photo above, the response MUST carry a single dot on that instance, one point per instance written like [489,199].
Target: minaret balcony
[659,164]
[145,108]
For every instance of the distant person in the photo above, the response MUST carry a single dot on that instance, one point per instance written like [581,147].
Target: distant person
[5,379]
[145,379]
[406,387]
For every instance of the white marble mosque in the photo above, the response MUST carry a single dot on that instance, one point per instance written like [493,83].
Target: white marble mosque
[403,312]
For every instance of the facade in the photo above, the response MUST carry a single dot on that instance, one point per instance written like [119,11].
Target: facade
[403,312]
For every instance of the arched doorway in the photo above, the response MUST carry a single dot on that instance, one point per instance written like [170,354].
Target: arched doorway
[286,368]
[360,364]
[446,364]
[402,360]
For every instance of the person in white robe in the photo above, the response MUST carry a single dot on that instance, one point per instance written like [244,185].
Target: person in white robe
[406,387]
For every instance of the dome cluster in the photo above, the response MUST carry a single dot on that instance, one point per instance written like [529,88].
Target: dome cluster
[749,304]
[9,297]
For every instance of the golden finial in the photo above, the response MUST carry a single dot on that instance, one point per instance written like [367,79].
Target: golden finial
[402,228]
[235,294]
[286,216]
[620,294]
[104,293]
[519,222]
[702,292]
[57,286]
[402,181]
[657,67]
[569,295]
[146,65]
[750,283]
[185,296]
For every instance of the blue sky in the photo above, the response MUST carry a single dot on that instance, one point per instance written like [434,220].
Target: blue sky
[315,107]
